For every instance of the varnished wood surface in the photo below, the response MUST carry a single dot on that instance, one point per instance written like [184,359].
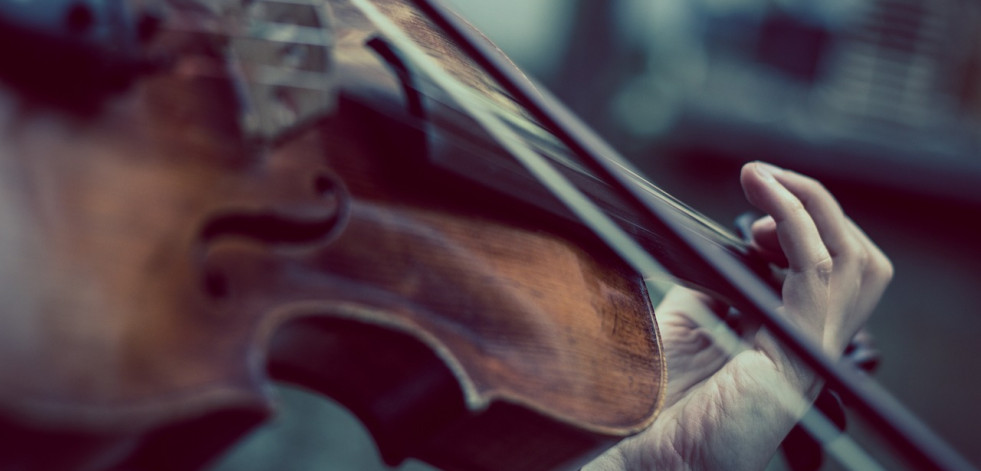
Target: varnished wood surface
[158,270]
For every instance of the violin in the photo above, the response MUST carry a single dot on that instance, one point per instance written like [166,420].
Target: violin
[236,193]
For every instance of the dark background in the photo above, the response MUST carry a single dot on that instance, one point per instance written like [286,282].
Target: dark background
[880,100]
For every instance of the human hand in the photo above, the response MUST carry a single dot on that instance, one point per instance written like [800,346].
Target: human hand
[720,411]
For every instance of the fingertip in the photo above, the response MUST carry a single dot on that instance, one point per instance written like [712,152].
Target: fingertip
[747,173]
[764,231]
[764,224]
[766,239]
[760,184]
[762,171]
[767,171]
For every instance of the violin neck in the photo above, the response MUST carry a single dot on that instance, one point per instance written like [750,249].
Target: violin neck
[462,149]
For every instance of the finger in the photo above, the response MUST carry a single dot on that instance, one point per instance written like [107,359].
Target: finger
[836,232]
[879,265]
[764,232]
[764,238]
[877,270]
[799,237]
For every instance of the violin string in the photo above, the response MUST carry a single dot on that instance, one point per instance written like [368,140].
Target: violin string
[259,30]
[574,199]
[207,67]
[290,77]
[843,448]
[538,132]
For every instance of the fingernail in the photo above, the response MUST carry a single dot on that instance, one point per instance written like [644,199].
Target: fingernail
[767,171]
[764,222]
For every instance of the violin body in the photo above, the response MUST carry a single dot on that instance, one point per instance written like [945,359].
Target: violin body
[163,266]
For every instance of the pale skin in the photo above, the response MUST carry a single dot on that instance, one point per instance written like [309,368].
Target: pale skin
[719,412]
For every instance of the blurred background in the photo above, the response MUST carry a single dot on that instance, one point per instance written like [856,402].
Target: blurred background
[879,99]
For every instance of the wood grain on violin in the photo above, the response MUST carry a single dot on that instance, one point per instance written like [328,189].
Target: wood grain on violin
[163,262]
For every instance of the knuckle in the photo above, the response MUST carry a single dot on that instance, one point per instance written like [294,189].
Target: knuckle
[886,271]
[853,250]
[863,259]
[878,267]
[824,269]
[826,265]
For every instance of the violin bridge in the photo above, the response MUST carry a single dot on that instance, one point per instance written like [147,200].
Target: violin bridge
[277,54]
[281,64]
